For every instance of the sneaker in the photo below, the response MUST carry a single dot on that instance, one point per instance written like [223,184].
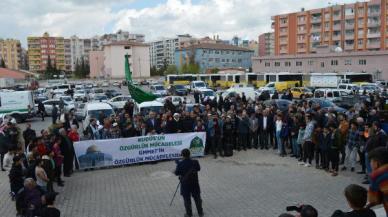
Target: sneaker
[307,165]
[301,163]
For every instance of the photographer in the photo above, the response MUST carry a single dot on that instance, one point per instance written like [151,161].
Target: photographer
[304,211]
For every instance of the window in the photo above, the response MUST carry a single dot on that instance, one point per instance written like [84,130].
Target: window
[277,63]
[287,64]
[298,63]
[362,62]
[311,62]
[322,64]
[267,64]
[217,52]
[210,59]
[223,60]
[334,62]
[127,47]
[348,62]
[217,60]
[239,60]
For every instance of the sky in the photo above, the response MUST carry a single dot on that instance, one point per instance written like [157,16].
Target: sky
[154,18]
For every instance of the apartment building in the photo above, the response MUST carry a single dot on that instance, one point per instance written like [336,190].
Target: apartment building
[163,51]
[266,44]
[67,45]
[11,53]
[210,56]
[120,36]
[360,26]
[41,48]
[80,49]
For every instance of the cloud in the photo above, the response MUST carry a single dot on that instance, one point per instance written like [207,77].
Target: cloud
[225,18]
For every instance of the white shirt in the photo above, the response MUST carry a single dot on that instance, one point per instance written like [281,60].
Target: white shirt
[279,124]
[265,122]
[7,161]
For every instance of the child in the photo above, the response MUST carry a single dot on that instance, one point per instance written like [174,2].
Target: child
[299,142]
[334,149]
[324,144]
[378,190]
[352,142]
[356,196]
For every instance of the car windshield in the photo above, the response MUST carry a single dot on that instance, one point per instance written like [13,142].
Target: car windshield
[208,93]
[80,91]
[96,113]
[325,103]
[200,84]
[146,110]
[179,87]
[98,91]
[67,99]
[100,97]
[159,87]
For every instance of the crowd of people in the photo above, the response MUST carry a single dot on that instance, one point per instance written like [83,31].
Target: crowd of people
[304,131]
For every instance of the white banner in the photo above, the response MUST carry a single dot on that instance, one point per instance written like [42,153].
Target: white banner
[111,152]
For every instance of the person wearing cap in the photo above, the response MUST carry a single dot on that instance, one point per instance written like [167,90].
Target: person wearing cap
[115,132]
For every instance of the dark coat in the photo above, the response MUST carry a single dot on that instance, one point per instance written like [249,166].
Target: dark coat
[16,178]
[155,126]
[4,143]
[243,126]
[325,141]
[187,170]
[173,126]
[29,135]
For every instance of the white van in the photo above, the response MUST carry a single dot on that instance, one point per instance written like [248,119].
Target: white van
[249,92]
[195,85]
[145,107]
[330,94]
[93,110]
[17,104]
[349,87]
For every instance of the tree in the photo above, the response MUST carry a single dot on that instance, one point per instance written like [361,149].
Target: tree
[191,67]
[154,71]
[214,70]
[171,69]
[82,68]
[50,70]
[2,64]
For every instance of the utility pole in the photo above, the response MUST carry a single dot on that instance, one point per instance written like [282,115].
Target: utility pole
[139,67]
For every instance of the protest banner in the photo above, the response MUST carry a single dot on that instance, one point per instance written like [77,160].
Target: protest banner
[115,152]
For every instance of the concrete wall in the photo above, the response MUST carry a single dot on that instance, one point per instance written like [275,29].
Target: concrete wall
[96,63]
[114,60]
[330,62]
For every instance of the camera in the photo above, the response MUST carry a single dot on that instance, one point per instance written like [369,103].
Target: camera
[294,208]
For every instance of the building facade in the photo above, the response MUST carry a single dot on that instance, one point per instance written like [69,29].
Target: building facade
[96,61]
[139,59]
[162,51]
[211,56]
[374,62]
[120,36]
[80,49]
[11,53]
[360,26]
[45,47]
[266,44]
[68,53]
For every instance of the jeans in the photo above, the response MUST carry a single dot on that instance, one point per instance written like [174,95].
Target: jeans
[350,157]
[279,143]
[308,151]
[295,147]
[198,204]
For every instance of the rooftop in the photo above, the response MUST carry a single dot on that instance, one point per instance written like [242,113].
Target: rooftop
[216,47]
[126,43]
[8,73]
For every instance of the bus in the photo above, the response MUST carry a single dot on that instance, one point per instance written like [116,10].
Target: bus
[254,79]
[292,79]
[184,79]
[357,78]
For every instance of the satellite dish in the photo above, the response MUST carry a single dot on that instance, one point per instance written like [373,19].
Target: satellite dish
[338,50]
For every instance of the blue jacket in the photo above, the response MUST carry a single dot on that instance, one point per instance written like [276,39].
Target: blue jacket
[187,170]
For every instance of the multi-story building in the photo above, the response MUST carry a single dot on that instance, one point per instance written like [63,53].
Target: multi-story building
[45,47]
[80,49]
[211,56]
[139,59]
[359,26]
[11,53]
[67,46]
[266,44]
[326,60]
[121,36]
[162,51]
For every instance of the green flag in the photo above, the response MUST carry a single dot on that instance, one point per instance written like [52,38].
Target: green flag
[137,93]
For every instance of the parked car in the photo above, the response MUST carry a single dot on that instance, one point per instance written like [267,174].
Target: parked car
[99,98]
[94,109]
[105,84]
[79,111]
[112,93]
[281,104]
[301,92]
[207,93]
[158,90]
[175,99]
[330,94]
[95,91]
[348,102]
[145,107]
[49,104]
[327,104]
[80,95]
[118,102]
[178,90]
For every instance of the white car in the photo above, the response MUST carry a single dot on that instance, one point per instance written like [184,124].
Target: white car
[105,84]
[79,111]
[118,102]
[207,93]
[145,107]
[175,99]
[95,91]
[48,105]
[158,90]
[195,85]
[330,94]
[94,110]
[80,95]
[99,98]
[116,84]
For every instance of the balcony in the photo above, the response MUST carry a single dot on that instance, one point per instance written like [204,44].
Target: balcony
[337,27]
[336,16]
[374,24]
[302,50]
[336,37]
[374,35]
[316,20]
[373,45]
[283,24]
[301,21]
[349,47]
[349,36]
[283,42]
[374,13]
[283,51]
[349,25]
[315,29]
[302,31]
[283,33]
[301,40]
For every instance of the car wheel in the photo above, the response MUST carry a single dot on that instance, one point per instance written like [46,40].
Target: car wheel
[18,118]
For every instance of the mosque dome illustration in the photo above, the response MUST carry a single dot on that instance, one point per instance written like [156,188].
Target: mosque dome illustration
[94,158]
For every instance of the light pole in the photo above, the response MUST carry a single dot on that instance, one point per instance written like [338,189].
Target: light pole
[139,68]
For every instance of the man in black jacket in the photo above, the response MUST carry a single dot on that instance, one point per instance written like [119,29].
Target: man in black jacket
[16,175]
[28,135]
[187,170]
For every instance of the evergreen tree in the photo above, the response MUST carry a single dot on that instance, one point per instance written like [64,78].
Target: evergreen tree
[49,69]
